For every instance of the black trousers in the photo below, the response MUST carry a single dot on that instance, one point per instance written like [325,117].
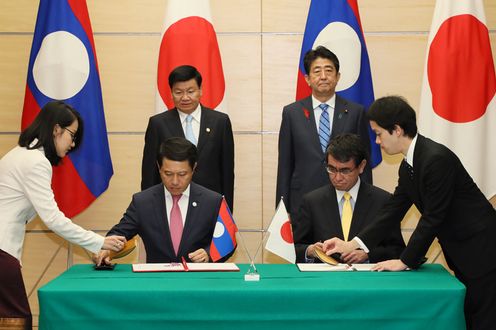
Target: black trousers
[480,302]
[14,306]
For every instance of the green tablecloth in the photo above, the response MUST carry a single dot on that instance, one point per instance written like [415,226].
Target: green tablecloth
[284,298]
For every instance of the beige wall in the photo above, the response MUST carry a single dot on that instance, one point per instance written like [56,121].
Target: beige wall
[260,43]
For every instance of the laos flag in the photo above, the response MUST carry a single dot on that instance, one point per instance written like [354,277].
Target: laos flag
[336,25]
[224,239]
[63,66]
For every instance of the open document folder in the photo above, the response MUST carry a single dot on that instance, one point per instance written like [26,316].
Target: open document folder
[334,268]
[331,265]
[186,267]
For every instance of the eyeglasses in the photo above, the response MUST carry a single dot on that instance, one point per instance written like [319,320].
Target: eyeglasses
[344,171]
[181,93]
[73,134]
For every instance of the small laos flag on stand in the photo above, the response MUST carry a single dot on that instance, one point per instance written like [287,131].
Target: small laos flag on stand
[63,66]
[336,25]
[280,241]
[224,239]
[458,101]
[189,38]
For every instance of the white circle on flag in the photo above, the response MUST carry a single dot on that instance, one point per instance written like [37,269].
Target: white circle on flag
[219,230]
[341,39]
[62,66]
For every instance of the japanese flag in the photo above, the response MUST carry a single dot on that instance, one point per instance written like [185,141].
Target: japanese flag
[188,38]
[458,106]
[280,241]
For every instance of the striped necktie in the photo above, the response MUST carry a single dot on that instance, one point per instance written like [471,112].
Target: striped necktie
[324,127]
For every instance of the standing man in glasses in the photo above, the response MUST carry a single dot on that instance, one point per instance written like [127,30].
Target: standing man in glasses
[343,207]
[307,126]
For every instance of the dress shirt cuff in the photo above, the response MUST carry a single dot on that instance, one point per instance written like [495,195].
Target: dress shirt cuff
[307,259]
[362,245]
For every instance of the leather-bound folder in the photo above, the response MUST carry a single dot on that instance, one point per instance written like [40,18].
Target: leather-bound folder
[325,258]
[128,248]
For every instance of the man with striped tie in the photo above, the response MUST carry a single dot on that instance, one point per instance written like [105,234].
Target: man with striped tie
[308,125]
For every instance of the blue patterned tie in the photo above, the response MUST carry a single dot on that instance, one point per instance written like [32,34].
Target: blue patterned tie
[189,130]
[324,127]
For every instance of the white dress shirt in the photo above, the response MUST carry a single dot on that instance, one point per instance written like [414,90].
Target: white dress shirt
[195,123]
[26,190]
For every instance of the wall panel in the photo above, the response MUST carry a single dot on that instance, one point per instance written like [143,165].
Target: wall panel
[260,43]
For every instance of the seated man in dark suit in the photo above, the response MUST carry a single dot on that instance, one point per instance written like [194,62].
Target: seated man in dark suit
[325,213]
[175,218]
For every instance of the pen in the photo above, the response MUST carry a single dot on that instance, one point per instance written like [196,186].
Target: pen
[185,265]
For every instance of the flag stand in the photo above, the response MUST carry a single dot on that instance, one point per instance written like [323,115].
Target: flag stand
[252,274]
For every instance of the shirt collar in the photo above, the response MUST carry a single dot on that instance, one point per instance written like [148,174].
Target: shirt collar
[411,149]
[353,191]
[331,102]
[195,114]
[185,193]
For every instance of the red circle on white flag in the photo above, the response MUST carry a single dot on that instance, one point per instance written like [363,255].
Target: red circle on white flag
[192,41]
[286,233]
[461,70]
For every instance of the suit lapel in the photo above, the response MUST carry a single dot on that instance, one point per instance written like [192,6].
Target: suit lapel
[162,217]
[362,205]
[340,116]
[206,126]
[308,116]
[191,217]
[330,208]
[174,124]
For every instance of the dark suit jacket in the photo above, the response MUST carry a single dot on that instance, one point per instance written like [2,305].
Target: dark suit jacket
[301,165]
[147,217]
[215,169]
[453,209]
[319,220]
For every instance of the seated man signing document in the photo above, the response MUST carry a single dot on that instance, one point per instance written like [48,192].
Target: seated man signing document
[176,218]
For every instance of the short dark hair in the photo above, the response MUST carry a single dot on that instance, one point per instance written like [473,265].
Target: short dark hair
[53,113]
[390,111]
[184,73]
[321,52]
[344,147]
[177,149]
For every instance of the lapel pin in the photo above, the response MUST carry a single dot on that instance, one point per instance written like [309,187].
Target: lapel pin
[207,129]
[194,204]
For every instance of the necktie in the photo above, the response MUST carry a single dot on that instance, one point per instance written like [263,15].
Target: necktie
[324,127]
[346,215]
[176,223]
[189,130]
[409,169]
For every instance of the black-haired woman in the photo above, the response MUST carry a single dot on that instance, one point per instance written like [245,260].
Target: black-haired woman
[25,190]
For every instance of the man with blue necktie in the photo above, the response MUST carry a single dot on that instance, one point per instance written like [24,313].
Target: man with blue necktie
[308,125]
[208,129]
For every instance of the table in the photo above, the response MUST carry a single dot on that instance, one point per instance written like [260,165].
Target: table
[284,298]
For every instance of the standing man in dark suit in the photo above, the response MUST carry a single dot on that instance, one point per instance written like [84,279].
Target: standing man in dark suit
[452,208]
[308,124]
[177,217]
[321,215]
[209,130]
